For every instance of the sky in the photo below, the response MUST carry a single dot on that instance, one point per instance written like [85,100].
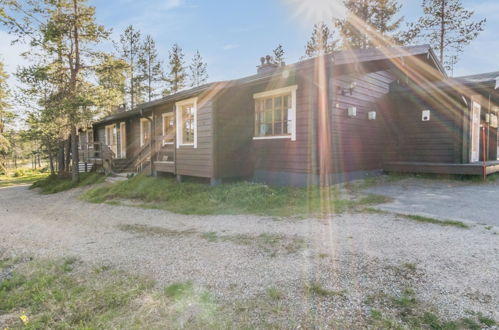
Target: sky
[232,35]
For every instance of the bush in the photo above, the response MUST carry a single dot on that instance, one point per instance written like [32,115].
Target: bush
[19,173]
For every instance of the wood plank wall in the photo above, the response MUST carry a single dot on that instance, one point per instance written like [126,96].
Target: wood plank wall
[439,140]
[360,144]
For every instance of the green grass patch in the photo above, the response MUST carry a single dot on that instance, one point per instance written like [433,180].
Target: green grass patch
[419,218]
[373,199]
[406,312]
[154,231]
[21,177]
[275,294]
[271,244]
[230,198]
[178,290]
[317,289]
[55,184]
[59,294]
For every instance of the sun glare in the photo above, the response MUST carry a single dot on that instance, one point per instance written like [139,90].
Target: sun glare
[314,11]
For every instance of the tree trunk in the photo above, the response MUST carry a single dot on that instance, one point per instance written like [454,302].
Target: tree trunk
[442,31]
[75,175]
[61,162]
[67,160]
[51,162]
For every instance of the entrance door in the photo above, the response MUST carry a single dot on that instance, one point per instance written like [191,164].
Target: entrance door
[111,138]
[475,132]
[123,140]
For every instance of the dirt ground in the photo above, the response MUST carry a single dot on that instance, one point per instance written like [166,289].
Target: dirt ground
[360,256]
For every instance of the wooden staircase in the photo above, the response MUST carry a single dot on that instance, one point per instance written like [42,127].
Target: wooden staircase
[122,166]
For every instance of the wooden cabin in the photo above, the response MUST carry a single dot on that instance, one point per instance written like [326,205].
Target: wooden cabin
[325,120]
[447,127]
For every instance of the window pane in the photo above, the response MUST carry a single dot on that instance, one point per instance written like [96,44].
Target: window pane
[278,102]
[278,128]
[268,117]
[188,124]
[266,129]
[268,104]
[287,101]
[278,115]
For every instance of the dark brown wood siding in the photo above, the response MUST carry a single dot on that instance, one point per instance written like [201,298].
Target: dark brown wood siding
[360,144]
[189,161]
[439,140]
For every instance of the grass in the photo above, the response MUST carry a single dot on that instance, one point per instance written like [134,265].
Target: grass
[317,289]
[230,198]
[419,218]
[405,311]
[154,231]
[271,244]
[55,184]
[54,294]
[275,294]
[69,294]
[21,177]
[268,243]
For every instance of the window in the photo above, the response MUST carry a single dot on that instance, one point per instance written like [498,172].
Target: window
[168,128]
[187,123]
[90,139]
[145,131]
[110,135]
[275,113]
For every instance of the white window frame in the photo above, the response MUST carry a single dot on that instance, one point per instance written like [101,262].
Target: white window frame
[123,139]
[286,90]
[142,135]
[178,122]
[167,114]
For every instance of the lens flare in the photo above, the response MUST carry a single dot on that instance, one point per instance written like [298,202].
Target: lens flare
[314,11]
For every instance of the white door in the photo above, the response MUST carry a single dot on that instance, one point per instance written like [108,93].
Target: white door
[111,138]
[123,140]
[475,132]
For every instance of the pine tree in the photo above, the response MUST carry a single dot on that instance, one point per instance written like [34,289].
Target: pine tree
[150,67]
[198,70]
[176,78]
[279,54]
[130,50]
[321,42]
[370,23]
[111,76]
[447,26]
[5,116]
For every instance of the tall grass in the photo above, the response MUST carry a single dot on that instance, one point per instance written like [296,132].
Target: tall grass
[233,198]
[21,177]
[55,184]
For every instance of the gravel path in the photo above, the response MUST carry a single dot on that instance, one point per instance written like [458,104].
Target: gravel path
[361,254]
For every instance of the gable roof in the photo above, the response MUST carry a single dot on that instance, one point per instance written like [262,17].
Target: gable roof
[342,57]
[489,78]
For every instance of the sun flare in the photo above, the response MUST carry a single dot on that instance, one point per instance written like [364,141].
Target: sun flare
[313,11]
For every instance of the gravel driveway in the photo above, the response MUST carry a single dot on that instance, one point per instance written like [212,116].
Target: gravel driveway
[453,269]
[478,203]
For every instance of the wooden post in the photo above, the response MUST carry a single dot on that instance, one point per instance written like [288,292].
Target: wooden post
[484,155]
